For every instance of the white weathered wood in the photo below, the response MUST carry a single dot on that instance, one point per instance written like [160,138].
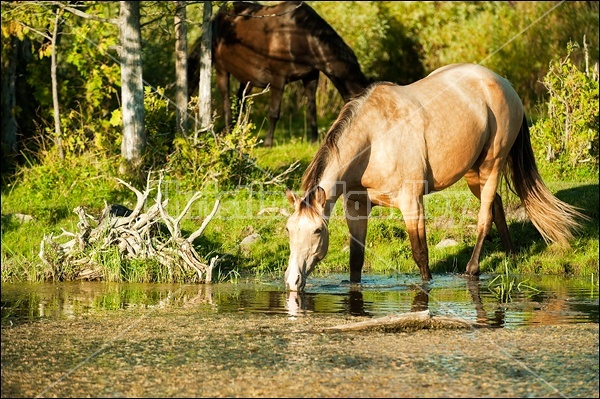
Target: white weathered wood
[407,321]
[134,235]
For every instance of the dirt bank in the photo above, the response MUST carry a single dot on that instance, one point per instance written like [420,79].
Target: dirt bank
[193,352]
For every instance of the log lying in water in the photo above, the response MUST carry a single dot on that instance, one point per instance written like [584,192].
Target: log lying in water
[149,235]
[406,322]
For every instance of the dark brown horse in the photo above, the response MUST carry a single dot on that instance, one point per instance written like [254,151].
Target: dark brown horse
[274,45]
[394,144]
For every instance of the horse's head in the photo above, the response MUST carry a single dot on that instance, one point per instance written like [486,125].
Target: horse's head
[309,236]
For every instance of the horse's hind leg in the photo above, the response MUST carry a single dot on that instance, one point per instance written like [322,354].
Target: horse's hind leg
[274,110]
[486,185]
[498,214]
[500,222]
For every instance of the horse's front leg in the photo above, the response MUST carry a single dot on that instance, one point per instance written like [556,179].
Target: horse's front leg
[357,216]
[484,224]
[413,212]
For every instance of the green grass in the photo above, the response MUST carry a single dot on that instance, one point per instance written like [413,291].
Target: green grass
[51,191]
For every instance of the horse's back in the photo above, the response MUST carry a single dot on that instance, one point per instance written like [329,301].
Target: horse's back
[472,80]
[276,44]
[449,120]
[469,95]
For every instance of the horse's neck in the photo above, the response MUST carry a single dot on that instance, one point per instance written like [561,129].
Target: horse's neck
[349,86]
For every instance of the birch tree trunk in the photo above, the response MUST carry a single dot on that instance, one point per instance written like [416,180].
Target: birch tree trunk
[204,95]
[55,103]
[132,89]
[181,86]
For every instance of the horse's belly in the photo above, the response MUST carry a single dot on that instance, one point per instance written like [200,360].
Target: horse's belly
[449,163]
[245,65]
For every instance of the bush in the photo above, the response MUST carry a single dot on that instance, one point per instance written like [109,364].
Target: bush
[224,160]
[568,135]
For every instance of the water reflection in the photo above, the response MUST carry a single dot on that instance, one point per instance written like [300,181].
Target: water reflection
[556,300]
[421,300]
[473,285]
[301,303]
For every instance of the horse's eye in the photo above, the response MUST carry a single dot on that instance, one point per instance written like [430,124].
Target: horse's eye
[318,231]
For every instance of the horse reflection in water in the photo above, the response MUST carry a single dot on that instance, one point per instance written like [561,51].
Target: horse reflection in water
[481,315]
[299,303]
[353,304]
[394,144]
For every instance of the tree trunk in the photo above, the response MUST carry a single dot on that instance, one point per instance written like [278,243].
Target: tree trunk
[204,96]
[9,103]
[181,86]
[57,129]
[132,89]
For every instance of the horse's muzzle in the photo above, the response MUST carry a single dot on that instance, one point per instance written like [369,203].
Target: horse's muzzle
[294,280]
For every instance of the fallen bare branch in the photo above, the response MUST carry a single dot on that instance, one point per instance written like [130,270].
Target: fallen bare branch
[279,179]
[407,321]
[136,235]
[199,232]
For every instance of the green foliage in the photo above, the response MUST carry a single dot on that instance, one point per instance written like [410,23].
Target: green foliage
[404,41]
[344,17]
[160,126]
[504,286]
[223,160]
[568,135]
[90,86]
[396,41]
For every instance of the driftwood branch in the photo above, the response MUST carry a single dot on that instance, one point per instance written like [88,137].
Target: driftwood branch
[406,321]
[199,232]
[280,178]
[135,233]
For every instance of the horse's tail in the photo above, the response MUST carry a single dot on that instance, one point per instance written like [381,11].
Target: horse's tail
[554,219]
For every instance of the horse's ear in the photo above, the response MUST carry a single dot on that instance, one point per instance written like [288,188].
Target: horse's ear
[320,196]
[291,196]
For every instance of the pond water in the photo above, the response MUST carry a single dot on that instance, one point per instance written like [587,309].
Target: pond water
[252,339]
[499,301]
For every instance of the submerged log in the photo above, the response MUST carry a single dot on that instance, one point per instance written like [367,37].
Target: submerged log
[150,235]
[406,322]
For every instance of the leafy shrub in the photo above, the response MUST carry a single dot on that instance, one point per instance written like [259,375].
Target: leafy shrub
[568,135]
[224,160]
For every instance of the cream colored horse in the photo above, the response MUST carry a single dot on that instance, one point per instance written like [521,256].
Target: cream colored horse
[394,144]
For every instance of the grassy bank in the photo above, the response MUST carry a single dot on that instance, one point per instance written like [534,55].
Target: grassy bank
[49,193]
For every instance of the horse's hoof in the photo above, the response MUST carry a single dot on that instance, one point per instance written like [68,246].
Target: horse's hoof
[471,273]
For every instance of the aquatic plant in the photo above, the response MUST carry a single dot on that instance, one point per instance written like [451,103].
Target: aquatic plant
[503,286]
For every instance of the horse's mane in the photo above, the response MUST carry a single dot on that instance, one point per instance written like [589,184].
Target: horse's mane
[329,147]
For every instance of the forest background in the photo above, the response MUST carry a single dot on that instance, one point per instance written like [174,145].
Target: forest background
[548,50]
